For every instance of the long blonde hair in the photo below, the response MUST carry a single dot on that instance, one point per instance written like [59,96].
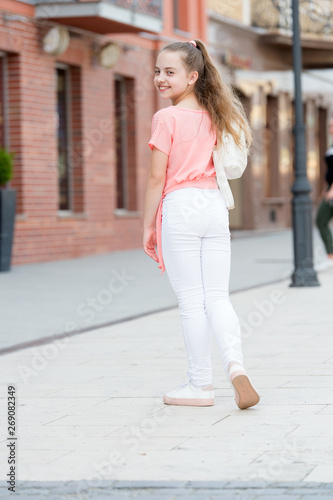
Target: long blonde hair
[215,94]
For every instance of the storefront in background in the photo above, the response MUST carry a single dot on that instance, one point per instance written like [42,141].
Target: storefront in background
[257,56]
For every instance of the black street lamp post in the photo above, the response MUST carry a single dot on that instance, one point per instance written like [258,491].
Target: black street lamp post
[304,273]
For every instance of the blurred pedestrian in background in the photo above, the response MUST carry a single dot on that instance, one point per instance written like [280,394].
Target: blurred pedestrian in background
[186,216]
[325,210]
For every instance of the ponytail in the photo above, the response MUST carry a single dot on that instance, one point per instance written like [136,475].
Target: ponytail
[213,92]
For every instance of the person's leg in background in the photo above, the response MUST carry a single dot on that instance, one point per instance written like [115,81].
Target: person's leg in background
[324,215]
[216,256]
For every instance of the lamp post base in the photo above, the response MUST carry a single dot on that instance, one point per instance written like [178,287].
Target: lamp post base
[304,277]
[304,273]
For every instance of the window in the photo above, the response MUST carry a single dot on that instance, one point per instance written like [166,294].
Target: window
[3,121]
[272,146]
[63,93]
[125,140]
[70,157]
[180,15]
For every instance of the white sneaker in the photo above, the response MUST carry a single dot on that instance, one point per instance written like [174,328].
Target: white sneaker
[188,395]
[324,264]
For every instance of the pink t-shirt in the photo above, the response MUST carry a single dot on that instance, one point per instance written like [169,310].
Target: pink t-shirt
[185,136]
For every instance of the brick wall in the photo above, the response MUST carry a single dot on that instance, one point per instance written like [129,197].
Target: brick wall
[41,233]
[94,226]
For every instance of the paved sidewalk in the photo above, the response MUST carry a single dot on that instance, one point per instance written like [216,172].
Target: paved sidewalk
[43,300]
[174,490]
[89,407]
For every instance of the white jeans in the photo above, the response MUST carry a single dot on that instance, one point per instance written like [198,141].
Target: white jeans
[196,254]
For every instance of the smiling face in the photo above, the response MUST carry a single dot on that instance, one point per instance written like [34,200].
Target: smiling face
[171,78]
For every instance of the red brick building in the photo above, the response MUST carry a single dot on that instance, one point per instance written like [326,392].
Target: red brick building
[76,102]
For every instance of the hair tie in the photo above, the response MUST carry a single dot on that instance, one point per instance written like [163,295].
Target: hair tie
[193,42]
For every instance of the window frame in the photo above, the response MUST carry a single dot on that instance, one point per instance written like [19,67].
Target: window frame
[124,144]
[128,132]
[67,69]
[4,63]
[179,28]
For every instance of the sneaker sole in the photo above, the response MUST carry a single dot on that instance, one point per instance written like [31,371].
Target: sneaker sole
[188,402]
[247,395]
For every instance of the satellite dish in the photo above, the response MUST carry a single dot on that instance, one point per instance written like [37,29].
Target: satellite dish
[109,55]
[56,41]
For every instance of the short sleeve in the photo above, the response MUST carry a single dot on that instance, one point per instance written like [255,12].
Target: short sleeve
[161,132]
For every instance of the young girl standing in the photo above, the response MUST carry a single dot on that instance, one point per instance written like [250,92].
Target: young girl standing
[186,217]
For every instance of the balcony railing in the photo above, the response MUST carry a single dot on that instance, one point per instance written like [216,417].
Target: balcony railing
[315,16]
[104,16]
[151,7]
[232,10]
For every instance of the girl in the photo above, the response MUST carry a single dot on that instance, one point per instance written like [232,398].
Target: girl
[186,217]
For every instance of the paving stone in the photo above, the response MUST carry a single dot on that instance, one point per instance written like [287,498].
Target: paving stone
[314,491]
[317,496]
[268,491]
[256,485]
[149,484]
[278,496]
[207,484]
[328,486]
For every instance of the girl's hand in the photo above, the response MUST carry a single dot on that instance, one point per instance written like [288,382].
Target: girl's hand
[149,242]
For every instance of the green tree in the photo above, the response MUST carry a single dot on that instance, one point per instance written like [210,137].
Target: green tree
[6,166]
